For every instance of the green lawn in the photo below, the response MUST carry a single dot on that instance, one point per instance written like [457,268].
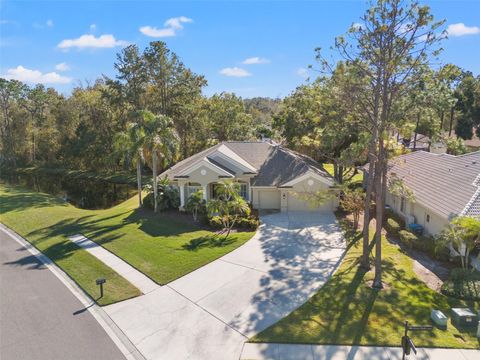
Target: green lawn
[162,248]
[356,178]
[348,311]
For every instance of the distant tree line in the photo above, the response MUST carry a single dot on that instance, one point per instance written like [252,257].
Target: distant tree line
[39,126]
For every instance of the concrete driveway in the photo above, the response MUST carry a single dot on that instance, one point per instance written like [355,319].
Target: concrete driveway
[211,312]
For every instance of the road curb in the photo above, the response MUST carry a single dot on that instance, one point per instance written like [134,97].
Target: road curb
[123,343]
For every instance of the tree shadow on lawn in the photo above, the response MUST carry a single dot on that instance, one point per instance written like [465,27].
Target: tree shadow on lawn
[105,229]
[158,225]
[16,200]
[210,241]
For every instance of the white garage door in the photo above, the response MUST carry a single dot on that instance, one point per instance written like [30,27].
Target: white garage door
[297,204]
[269,199]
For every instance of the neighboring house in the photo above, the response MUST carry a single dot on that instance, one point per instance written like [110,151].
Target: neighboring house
[422,142]
[444,186]
[271,177]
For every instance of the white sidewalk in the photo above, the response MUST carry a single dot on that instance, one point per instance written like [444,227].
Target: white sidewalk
[135,277]
[334,352]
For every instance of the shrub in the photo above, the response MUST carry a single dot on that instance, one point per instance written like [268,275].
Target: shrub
[407,238]
[462,284]
[248,223]
[196,206]
[168,198]
[392,226]
[215,222]
[390,214]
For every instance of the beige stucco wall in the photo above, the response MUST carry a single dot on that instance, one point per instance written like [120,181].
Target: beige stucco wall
[294,203]
[196,176]
[433,227]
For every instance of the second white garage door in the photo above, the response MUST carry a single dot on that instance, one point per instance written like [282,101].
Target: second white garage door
[298,204]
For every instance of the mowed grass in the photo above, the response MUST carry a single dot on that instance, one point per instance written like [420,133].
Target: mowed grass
[357,178]
[34,216]
[162,248]
[348,311]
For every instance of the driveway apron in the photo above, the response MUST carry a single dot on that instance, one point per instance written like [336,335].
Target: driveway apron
[211,312]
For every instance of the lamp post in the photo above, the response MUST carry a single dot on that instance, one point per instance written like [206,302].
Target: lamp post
[100,283]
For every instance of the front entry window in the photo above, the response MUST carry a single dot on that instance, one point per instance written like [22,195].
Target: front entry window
[192,188]
[244,191]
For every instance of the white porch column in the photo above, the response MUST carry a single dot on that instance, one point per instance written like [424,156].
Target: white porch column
[182,195]
[205,191]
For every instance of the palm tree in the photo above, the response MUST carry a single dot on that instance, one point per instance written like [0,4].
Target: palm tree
[161,142]
[229,205]
[128,146]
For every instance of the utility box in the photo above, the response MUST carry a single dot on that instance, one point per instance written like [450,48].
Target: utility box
[464,317]
[439,319]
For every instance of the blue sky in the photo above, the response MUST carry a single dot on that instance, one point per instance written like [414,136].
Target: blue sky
[62,43]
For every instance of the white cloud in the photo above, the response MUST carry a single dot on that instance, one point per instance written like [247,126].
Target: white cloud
[90,41]
[461,29]
[155,32]
[176,22]
[62,67]
[235,72]
[93,27]
[35,76]
[49,23]
[303,73]
[170,27]
[255,60]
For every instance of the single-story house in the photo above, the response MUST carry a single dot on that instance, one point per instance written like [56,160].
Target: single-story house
[271,176]
[444,186]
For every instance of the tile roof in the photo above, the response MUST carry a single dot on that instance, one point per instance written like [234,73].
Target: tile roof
[275,164]
[446,184]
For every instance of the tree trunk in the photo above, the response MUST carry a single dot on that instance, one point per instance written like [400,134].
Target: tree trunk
[335,170]
[442,118]
[379,198]
[33,147]
[365,262]
[416,132]
[452,111]
[155,189]
[139,182]
[340,174]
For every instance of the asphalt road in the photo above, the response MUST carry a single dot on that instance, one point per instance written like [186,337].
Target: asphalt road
[39,317]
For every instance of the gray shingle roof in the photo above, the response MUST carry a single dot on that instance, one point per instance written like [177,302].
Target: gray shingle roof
[275,164]
[441,182]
